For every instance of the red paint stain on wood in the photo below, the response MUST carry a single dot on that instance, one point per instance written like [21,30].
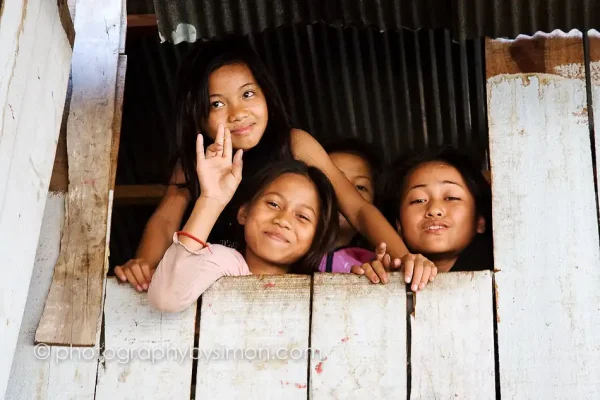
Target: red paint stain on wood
[280,332]
[344,340]
[319,367]
[89,181]
[268,285]
[211,309]
[299,386]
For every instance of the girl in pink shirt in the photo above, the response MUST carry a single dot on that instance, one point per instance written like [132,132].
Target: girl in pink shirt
[288,216]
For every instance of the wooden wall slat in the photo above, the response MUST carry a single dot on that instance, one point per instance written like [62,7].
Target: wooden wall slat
[48,372]
[72,314]
[35,56]
[545,226]
[134,333]
[260,315]
[360,330]
[452,340]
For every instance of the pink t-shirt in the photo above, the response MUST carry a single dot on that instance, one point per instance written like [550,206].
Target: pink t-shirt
[183,275]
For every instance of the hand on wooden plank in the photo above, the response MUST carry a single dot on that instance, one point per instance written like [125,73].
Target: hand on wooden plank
[417,269]
[218,173]
[137,272]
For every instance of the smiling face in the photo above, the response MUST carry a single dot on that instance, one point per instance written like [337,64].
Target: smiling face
[358,171]
[280,224]
[237,101]
[437,212]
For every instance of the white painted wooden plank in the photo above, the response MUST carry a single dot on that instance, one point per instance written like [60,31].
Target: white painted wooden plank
[35,56]
[73,310]
[594,48]
[147,354]
[452,340]
[545,234]
[254,338]
[46,372]
[360,330]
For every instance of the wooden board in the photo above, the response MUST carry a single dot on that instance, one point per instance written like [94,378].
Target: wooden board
[594,68]
[254,338]
[43,372]
[72,314]
[35,56]
[360,330]
[545,225]
[452,338]
[147,355]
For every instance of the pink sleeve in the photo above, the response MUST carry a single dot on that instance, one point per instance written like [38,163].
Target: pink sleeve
[183,275]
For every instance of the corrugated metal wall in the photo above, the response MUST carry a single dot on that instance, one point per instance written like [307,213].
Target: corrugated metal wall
[398,89]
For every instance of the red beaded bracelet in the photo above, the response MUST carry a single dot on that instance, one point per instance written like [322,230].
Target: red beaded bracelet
[194,238]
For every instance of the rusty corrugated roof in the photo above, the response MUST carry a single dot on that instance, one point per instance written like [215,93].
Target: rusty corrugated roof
[189,20]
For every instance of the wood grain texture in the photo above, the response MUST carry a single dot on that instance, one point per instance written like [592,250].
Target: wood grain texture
[545,225]
[147,355]
[452,340]
[48,372]
[253,338]
[360,330]
[72,313]
[35,56]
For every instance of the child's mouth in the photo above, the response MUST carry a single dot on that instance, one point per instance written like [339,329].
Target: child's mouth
[243,130]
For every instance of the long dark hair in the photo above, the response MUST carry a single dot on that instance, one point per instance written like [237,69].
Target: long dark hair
[327,225]
[467,165]
[192,107]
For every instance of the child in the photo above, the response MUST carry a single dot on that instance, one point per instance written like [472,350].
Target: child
[359,163]
[289,219]
[441,205]
[225,83]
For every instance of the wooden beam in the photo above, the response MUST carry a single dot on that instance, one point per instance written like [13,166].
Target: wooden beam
[360,330]
[135,334]
[544,211]
[73,309]
[138,194]
[135,21]
[254,337]
[452,338]
[34,71]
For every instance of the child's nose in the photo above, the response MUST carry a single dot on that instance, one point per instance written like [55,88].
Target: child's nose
[238,113]
[282,219]
[435,210]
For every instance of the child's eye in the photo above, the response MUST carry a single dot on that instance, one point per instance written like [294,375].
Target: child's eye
[249,93]
[418,201]
[302,216]
[273,204]
[362,188]
[451,198]
[217,104]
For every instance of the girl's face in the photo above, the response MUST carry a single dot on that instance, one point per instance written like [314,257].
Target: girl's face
[279,226]
[437,211]
[237,101]
[358,171]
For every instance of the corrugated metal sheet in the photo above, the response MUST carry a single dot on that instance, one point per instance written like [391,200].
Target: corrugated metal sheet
[398,89]
[188,20]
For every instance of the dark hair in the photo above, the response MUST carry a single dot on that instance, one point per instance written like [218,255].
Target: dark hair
[327,225]
[466,164]
[192,106]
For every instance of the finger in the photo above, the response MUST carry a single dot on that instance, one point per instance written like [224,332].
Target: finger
[387,261]
[426,275]
[409,266]
[417,275]
[136,270]
[380,271]
[434,272]
[199,148]
[132,280]
[380,251]
[357,270]
[147,271]
[227,149]
[212,150]
[220,137]
[120,274]
[369,273]
[238,164]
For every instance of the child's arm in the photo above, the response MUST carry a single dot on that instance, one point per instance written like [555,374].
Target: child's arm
[157,236]
[364,216]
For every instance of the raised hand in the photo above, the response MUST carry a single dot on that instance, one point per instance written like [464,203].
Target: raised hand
[218,173]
